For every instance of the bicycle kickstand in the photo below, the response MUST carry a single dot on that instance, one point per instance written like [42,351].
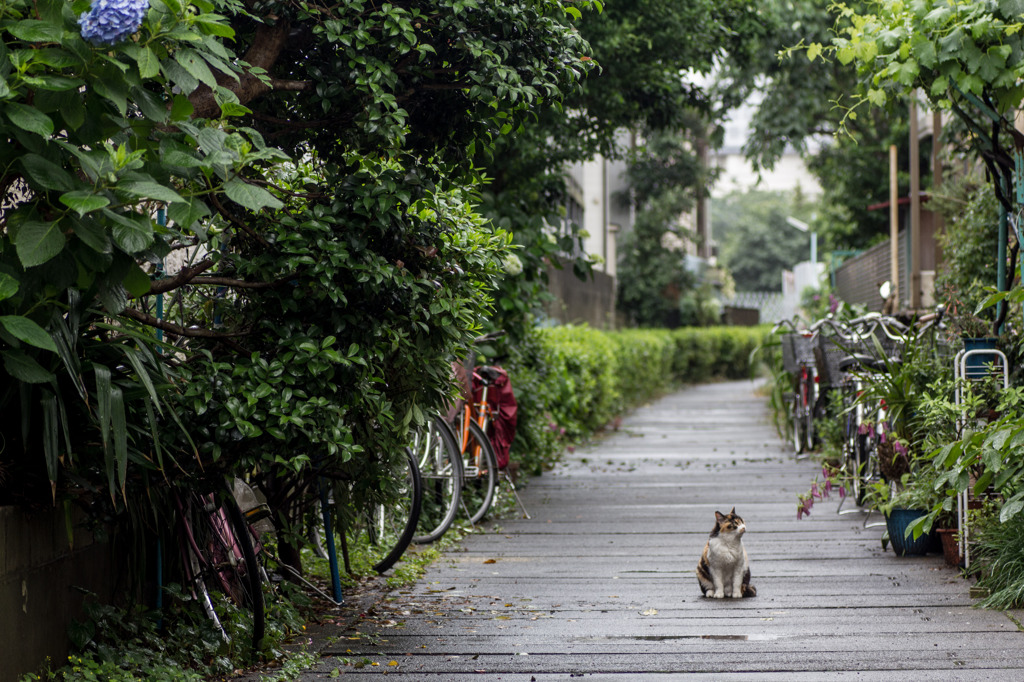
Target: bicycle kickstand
[841,511]
[515,493]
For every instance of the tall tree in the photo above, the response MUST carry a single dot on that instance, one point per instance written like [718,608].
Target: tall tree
[665,177]
[651,55]
[802,108]
[315,167]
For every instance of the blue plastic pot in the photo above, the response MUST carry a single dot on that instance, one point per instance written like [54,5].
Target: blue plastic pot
[978,365]
[897,522]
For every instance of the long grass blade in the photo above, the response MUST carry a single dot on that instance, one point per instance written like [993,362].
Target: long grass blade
[103,389]
[64,428]
[64,338]
[158,451]
[25,394]
[188,436]
[119,424]
[51,439]
[69,525]
[143,374]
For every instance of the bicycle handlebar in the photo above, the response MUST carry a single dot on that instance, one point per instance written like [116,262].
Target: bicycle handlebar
[490,336]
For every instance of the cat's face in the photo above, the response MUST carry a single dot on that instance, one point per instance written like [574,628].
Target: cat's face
[729,523]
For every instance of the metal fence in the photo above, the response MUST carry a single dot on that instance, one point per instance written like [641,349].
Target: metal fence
[769,303]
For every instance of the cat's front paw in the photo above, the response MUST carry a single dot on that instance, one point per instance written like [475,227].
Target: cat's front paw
[717,594]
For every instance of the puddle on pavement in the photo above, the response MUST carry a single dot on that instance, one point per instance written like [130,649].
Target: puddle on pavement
[757,637]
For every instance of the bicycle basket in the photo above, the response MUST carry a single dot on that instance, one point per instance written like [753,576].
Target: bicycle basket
[789,362]
[803,349]
[828,352]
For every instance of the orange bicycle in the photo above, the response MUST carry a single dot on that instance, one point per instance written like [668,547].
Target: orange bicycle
[481,470]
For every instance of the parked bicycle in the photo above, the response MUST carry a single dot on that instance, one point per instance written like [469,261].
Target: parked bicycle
[475,425]
[218,554]
[854,356]
[439,458]
[385,528]
[801,402]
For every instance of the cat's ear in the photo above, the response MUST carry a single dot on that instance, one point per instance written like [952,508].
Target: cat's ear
[733,512]
[719,517]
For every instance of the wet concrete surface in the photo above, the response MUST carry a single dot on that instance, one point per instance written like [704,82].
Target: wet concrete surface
[600,583]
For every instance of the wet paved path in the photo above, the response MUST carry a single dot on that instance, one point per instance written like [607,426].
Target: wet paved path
[600,584]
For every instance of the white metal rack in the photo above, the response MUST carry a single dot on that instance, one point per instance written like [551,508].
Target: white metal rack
[992,361]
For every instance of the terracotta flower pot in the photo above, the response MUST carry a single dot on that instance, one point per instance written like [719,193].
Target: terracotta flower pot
[950,546]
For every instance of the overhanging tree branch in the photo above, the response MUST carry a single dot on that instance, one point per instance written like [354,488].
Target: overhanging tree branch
[178,330]
[184,276]
[268,43]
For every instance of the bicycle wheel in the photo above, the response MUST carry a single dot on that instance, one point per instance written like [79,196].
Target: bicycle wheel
[220,554]
[440,465]
[480,474]
[796,422]
[863,467]
[385,530]
[808,418]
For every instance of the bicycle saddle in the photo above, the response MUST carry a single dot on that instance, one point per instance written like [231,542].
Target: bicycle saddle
[488,374]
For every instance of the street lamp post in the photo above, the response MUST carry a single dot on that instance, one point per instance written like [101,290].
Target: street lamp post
[804,227]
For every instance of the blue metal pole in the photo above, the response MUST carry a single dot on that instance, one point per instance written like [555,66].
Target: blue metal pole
[161,219]
[1001,255]
[332,552]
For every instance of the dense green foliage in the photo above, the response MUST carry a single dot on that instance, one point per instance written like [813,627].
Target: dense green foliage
[971,219]
[998,561]
[965,58]
[326,280]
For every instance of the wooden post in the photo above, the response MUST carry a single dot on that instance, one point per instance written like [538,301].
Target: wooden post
[914,297]
[894,225]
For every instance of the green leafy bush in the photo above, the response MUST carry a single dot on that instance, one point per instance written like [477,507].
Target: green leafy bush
[703,353]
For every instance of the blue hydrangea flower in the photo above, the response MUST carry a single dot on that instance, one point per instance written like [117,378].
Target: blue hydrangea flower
[111,21]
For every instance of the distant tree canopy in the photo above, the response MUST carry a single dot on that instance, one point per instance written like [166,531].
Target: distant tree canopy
[802,107]
[651,56]
[755,242]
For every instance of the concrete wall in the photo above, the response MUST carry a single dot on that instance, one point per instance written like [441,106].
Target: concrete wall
[576,301]
[41,583]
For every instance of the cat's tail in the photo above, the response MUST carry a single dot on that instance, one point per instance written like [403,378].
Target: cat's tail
[749,591]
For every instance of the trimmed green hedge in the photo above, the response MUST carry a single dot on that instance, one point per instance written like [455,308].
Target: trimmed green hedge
[571,381]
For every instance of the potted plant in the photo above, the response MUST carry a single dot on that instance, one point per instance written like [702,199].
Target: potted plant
[902,505]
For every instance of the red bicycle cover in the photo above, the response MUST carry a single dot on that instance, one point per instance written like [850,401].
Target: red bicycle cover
[504,409]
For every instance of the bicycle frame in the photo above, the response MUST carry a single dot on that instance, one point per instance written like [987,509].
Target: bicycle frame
[479,412]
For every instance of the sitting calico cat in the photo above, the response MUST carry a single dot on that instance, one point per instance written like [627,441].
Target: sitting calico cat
[723,570]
